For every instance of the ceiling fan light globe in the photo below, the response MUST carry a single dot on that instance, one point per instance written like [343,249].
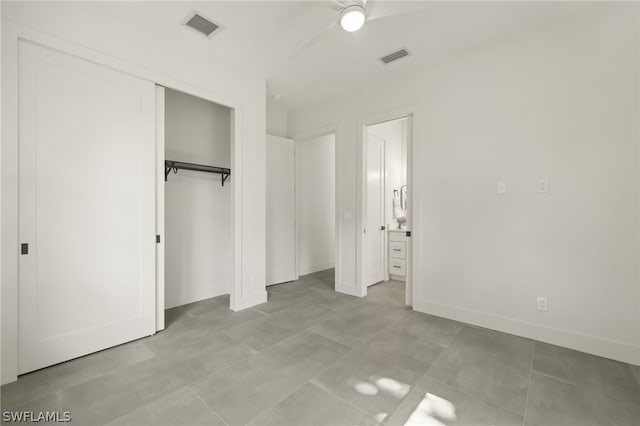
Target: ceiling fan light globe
[352,18]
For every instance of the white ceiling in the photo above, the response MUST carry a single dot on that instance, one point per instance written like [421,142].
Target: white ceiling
[262,36]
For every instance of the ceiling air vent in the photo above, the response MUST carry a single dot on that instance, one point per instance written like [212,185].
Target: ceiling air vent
[394,56]
[201,24]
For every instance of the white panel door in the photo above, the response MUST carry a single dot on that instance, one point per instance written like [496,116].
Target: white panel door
[374,237]
[281,211]
[87,207]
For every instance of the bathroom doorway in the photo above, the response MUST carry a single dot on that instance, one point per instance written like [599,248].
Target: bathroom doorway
[385,244]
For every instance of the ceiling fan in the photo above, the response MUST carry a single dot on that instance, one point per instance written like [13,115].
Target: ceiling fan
[352,15]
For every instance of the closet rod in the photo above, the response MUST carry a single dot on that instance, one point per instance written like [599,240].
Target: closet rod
[175,165]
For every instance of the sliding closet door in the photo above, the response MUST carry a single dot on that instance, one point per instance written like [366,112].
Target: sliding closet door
[87,213]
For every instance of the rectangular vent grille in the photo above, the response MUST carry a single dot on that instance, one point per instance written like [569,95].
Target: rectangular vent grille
[394,56]
[201,24]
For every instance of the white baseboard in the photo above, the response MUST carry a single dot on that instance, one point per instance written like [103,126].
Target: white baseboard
[600,346]
[349,289]
[310,269]
[249,301]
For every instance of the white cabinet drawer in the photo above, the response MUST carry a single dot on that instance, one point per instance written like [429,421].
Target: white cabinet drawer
[397,236]
[397,267]
[397,250]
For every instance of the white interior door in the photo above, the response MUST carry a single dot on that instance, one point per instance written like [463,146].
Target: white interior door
[374,236]
[87,208]
[281,211]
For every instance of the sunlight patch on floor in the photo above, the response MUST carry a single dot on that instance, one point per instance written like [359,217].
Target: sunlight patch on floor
[432,411]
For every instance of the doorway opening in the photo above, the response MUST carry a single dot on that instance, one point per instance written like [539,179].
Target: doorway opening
[315,208]
[385,215]
[195,191]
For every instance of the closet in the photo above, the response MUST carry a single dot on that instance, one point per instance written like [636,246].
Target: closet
[197,199]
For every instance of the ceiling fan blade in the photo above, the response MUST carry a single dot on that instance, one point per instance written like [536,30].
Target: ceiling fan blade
[385,9]
[315,39]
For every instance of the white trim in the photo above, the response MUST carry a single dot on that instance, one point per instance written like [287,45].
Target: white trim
[595,345]
[310,269]
[160,154]
[11,34]
[413,210]
[237,300]
[349,289]
[249,301]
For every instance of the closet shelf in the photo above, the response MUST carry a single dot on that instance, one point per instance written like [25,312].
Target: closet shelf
[175,165]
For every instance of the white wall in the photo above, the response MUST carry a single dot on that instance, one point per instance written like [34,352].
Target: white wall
[559,103]
[197,207]
[94,31]
[315,202]
[276,119]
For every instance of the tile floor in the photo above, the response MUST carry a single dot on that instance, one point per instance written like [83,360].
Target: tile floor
[311,356]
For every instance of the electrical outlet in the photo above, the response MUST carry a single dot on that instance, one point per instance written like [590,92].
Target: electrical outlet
[542,304]
[502,187]
[543,186]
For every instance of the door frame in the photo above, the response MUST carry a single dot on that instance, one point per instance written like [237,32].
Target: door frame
[408,112]
[300,138]
[12,34]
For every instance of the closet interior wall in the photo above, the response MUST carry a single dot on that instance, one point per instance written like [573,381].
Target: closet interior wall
[198,249]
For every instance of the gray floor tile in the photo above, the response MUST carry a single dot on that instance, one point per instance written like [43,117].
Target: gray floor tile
[48,403]
[305,378]
[174,315]
[49,380]
[260,334]
[181,407]
[428,327]
[636,372]
[554,402]
[435,403]
[612,378]
[376,376]
[488,364]
[221,319]
[220,303]
[355,327]
[246,389]
[302,316]
[180,334]
[392,291]
[311,406]
[108,397]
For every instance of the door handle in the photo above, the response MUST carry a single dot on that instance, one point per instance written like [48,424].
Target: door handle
[382,228]
[24,248]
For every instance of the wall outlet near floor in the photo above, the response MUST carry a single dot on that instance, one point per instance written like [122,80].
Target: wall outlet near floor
[501,187]
[543,186]
[542,304]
